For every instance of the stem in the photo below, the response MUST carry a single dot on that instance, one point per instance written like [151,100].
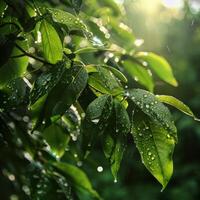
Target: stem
[32,56]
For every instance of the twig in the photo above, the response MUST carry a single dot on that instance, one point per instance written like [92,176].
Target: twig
[32,56]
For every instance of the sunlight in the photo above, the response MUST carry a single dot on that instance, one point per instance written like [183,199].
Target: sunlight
[172,3]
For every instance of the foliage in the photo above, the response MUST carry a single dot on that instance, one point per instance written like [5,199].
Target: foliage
[64,77]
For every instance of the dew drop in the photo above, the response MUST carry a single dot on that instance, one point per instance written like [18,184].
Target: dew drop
[152,158]
[100,169]
[147,106]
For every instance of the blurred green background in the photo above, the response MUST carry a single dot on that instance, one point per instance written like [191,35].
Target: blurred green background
[171,29]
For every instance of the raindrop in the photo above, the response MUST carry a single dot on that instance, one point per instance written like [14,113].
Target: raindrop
[127,93]
[115,180]
[147,106]
[145,96]
[79,163]
[25,119]
[95,121]
[168,136]
[99,168]
[11,177]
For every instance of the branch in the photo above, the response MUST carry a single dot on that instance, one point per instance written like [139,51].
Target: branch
[32,56]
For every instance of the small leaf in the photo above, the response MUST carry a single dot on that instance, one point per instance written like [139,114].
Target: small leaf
[155,146]
[139,73]
[77,177]
[159,65]
[57,139]
[156,110]
[177,104]
[52,46]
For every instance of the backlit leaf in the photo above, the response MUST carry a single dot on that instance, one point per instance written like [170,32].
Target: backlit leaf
[176,103]
[159,65]
[52,46]
[139,73]
[57,139]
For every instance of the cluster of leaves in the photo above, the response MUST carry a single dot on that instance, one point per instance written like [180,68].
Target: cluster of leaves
[65,79]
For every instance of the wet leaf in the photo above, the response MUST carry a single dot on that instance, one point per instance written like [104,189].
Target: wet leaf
[71,21]
[67,91]
[47,81]
[96,120]
[155,145]
[156,110]
[105,82]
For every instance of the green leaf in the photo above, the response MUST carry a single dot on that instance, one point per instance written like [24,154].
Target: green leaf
[139,73]
[88,50]
[15,67]
[121,130]
[114,137]
[159,65]
[72,22]
[96,120]
[57,139]
[105,82]
[77,177]
[155,146]
[47,81]
[121,34]
[67,91]
[52,46]
[117,73]
[177,104]
[122,119]
[13,93]
[156,110]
